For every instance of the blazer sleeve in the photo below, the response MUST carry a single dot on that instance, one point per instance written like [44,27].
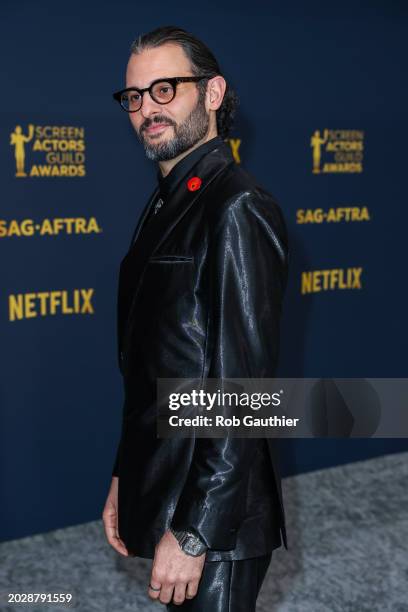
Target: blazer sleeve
[116,465]
[247,261]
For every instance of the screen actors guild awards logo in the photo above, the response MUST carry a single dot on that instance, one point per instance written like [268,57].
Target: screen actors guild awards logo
[337,151]
[54,151]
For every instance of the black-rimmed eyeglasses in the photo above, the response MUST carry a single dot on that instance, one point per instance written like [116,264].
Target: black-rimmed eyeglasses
[161,91]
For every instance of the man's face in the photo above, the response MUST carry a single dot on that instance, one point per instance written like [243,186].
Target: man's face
[166,130]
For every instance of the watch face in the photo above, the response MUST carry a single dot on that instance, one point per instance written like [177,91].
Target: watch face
[190,543]
[193,546]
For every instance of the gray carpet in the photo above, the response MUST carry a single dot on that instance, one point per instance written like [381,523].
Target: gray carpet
[348,539]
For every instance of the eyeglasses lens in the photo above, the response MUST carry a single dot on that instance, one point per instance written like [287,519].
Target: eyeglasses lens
[162,93]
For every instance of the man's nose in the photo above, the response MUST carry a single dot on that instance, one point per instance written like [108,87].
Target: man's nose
[149,106]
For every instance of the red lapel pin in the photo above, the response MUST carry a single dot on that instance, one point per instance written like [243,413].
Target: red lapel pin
[194,183]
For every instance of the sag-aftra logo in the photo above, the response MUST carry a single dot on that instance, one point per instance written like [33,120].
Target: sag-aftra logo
[49,227]
[338,214]
[48,151]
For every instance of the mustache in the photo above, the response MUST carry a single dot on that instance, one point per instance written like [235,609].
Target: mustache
[149,122]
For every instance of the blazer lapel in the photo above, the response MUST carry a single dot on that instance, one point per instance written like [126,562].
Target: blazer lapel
[143,216]
[126,280]
[147,239]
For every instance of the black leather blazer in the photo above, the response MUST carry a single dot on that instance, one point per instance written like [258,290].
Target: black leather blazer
[200,295]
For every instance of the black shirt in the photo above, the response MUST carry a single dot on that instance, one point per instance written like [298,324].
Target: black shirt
[168,183]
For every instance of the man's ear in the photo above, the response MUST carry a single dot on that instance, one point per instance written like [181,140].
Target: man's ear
[215,92]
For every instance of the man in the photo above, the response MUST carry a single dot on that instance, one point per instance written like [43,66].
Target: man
[200,294]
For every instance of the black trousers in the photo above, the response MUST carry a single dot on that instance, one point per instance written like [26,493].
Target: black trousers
[227,586]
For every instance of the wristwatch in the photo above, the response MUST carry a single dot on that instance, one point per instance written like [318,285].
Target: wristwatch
[189,542]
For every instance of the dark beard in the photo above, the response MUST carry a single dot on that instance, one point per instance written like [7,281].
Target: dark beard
[186,135]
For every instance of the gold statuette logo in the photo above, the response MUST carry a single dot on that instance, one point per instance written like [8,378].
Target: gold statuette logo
[18,141]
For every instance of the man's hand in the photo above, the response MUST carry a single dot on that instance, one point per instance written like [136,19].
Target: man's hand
[176,573]
[110,518]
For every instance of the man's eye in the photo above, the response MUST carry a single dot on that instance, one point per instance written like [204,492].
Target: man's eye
[164,89]
[135,97]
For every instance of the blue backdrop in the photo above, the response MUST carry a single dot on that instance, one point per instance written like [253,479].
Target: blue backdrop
[303,71]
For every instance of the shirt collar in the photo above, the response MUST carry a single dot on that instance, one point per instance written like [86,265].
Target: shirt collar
[168,183]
